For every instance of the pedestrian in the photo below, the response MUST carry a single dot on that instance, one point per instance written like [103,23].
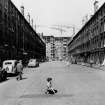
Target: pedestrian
[91,63]
[19,70]
[67,63]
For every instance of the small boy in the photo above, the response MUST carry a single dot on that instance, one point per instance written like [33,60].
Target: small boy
[50,90]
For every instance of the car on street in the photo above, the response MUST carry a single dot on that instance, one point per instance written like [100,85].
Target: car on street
[10,66]
[33,63]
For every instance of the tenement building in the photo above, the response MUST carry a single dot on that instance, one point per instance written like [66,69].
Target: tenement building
[50,47]
[89,43]
[61,48]
[18,40]
[56,47]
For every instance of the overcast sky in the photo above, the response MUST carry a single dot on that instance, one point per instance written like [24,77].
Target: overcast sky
[57,12]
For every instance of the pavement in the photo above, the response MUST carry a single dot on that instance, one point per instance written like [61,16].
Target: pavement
[95,66]
[76,85]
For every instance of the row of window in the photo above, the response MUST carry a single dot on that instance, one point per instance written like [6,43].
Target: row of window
[95,43]
[93,28]
[15,27]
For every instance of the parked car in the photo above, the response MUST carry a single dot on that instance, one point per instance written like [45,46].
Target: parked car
[10,66]
[33,63]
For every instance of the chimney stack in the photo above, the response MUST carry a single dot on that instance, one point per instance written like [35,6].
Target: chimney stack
[35,27]
[86,17]
[28,18]
[83,21]
[32,22]
[22,10]
[95,6]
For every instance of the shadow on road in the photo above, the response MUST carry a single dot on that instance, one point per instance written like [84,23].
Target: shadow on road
[46,96]
[24,78]
[11,75]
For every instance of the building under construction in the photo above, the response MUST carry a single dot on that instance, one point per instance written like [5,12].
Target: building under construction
[18,40]
[56,47]
[89,43]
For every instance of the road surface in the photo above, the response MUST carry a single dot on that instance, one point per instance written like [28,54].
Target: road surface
[76,85]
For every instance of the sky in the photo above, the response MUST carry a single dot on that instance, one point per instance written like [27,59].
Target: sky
[49,15]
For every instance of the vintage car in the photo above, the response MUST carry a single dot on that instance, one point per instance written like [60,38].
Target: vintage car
[10,66]
[33,63]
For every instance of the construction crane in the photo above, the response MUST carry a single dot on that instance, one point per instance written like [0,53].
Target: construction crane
[59,29]
[52,27]
[63,28]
